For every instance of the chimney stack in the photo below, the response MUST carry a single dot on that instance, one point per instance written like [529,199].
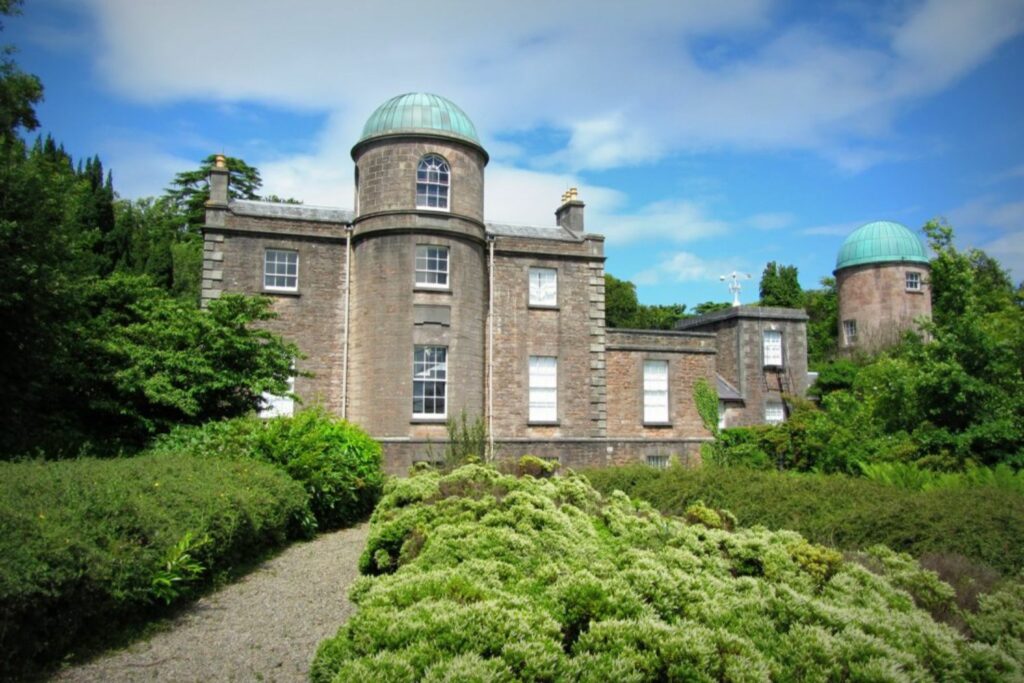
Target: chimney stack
[218,182]
[570,214]
[217,204]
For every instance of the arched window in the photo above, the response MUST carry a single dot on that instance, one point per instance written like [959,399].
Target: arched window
[432,183]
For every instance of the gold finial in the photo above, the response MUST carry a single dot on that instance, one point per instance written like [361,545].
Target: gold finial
[220,162]
[572,193]
[565,197]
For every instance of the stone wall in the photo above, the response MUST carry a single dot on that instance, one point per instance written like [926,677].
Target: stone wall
[384,331]
[387,175]
[876,297]
[690,357]
[740,343]
[312,316]
[572,331]
[399,455]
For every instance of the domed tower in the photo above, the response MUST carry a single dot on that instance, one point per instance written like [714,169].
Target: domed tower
[419,270]
[882,282]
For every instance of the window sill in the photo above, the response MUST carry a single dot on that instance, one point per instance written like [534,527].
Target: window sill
[433,290]
[658,425]
[914,291]
[428,420]
[281,292]
[542,307]
[542,423]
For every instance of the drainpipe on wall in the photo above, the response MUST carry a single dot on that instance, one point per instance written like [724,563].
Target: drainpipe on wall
[344,350]
[490,348]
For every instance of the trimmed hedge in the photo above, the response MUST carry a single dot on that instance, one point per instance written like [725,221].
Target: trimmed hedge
[337,462]
[985,524]
[89,544]
[479,576]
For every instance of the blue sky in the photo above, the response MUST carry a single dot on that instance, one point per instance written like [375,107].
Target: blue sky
[704,137]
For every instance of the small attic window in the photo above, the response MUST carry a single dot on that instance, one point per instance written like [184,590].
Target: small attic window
[433,182]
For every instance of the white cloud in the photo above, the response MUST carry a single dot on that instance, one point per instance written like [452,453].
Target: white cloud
[625,84]
[771,221]
[988,211]
[838,229]
[977,220]
[675,221]
[1009,250]
[684,266]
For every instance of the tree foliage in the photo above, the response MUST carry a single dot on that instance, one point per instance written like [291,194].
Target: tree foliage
[623,310]
[190,190]
[93,343]
[822,306]
[780,287]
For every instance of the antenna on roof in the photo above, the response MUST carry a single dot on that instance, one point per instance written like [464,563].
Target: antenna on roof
[734,284]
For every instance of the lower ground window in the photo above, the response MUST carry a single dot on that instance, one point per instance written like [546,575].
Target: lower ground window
[273,405]
[429,381]
[658,461]
[774,412]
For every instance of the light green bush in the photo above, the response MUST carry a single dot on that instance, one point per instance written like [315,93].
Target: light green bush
[545,580]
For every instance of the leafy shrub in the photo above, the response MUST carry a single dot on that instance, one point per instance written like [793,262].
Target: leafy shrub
[85,544]
[336,461]
[914,478]
[984,524]
[545,580]
[531,465]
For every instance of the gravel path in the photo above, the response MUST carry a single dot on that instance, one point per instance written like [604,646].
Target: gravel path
[265,627]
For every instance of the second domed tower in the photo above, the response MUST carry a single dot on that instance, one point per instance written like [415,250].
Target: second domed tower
[882,283]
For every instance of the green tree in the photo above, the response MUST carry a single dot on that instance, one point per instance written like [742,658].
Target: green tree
[620,302]
[621,308]
[961,394]
[780,287]
[822,306]
[150,361]
[710,307]
[190,190]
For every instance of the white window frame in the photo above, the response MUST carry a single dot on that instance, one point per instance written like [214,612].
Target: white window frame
[432,266]
[544,287]
[276,269]
[913,281]
[656,391]
[543,388]
[433,183]
[774,412]
[430,374]
[850,332]
[772,348]
[278,405]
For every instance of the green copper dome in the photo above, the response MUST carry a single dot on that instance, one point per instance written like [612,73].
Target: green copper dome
[418,112]
[880,242]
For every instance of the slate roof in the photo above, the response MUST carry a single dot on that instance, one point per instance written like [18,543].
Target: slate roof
[531,232]
[295,212]
[726,391]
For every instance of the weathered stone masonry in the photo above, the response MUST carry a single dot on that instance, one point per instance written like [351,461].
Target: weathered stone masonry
[481,316]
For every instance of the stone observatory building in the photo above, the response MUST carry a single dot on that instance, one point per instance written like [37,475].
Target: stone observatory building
[413,308]
[882,283]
